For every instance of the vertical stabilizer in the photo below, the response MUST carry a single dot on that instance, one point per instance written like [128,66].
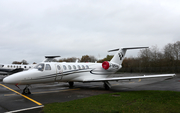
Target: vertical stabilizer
[119,56]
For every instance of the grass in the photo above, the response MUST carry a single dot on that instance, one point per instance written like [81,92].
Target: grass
[121,102]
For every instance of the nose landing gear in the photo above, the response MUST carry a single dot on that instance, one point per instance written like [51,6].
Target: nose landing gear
[26,90]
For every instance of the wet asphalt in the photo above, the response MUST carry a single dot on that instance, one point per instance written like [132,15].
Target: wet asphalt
[60,92]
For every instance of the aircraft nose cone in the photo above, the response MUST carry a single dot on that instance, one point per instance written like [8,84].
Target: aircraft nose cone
[6,80]
[9,80]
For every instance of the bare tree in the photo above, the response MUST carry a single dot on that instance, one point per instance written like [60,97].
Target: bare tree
[176,50]
[168,55]
[24,62]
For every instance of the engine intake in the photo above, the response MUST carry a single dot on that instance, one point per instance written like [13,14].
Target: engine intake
[105,65]
[110,66]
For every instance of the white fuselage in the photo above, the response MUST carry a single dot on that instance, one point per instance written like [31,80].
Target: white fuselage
[60,72]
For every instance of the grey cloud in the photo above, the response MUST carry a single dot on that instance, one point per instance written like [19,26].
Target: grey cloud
[31,29]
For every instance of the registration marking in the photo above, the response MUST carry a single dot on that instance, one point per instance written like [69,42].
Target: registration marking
[22,95]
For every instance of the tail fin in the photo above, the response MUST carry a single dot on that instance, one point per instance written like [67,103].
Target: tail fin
[119,56]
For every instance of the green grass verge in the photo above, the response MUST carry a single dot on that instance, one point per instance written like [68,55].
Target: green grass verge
[121,102]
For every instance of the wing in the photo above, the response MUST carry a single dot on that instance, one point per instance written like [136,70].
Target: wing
[129,78]
[11,71]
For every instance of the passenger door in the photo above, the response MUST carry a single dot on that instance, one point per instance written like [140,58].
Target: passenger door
[59,72]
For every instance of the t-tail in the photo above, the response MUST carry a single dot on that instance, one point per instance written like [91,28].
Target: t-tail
[119,56]
[116,61]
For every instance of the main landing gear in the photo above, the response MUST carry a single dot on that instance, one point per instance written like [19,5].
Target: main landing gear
[71,84]
[26,90]
[107,85]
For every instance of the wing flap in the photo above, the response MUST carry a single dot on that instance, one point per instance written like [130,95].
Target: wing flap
[129,78]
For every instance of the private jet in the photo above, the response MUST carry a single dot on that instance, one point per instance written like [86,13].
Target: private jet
[8,69]
[48,71]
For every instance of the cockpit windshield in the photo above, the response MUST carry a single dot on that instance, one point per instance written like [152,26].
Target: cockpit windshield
[40,67]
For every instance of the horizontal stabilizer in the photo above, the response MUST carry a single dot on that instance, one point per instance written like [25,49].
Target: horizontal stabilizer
[127,48]
[113,50]
[134,48]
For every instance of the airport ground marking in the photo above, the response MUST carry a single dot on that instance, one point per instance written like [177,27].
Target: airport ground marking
[47,92]
[26,109]
[22,95]
[55,91]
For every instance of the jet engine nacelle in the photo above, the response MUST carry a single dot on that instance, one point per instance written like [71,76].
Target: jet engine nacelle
[110,66]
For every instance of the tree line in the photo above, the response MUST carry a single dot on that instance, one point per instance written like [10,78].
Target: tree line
[84,58]
[148,60]
[24,62]
[155,60]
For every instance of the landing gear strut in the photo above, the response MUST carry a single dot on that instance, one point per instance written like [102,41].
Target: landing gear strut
[107,85]
[26,90]
[71,84]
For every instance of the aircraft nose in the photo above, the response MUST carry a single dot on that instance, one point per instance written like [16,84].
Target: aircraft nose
[10,80]
[6,80]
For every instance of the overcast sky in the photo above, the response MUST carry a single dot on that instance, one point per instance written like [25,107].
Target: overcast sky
[31,29]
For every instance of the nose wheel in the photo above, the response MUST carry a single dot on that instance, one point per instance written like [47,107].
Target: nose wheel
[26,90]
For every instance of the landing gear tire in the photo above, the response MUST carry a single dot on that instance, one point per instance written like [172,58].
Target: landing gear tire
[107,85]
[26,91]
[71,84]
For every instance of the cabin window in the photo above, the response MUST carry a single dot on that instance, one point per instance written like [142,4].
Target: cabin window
[24,66]
[59,68]
[40,67]
[87,66]
[48,67]
[64,67]
[83,67]
[69,67]
[74,67]
[79,67]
